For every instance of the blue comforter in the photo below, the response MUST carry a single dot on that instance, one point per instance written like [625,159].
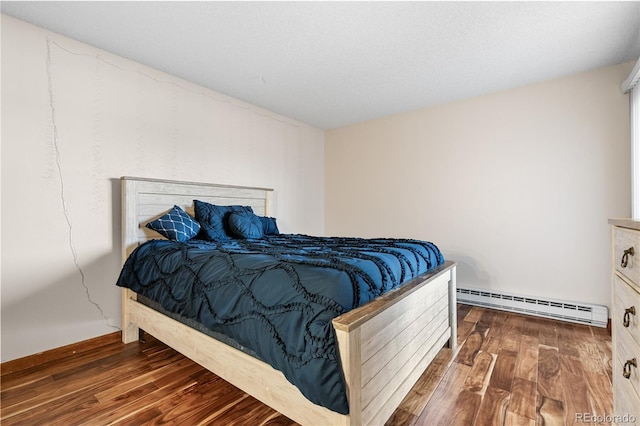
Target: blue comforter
[277,296]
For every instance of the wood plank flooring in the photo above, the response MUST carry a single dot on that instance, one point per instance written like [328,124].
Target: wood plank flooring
[512,369]
[509,369]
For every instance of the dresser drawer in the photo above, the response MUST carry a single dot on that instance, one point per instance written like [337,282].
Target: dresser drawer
[626,301]
[626,403]
[626,351]
[627,240]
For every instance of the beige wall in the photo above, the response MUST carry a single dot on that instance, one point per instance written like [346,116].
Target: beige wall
[114,117]
[515,186]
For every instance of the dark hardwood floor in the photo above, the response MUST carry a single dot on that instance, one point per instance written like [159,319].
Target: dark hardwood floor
[509,369]
[512,369]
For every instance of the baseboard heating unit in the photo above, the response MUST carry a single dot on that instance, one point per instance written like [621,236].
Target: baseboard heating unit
[581,313]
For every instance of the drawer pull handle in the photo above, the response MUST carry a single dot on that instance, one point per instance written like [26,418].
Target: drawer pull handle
[627,367]
[626,320]
[625,256]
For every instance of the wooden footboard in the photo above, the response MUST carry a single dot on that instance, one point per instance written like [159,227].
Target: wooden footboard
[384,347]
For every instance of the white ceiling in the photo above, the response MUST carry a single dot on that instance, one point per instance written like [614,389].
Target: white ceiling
[331,64]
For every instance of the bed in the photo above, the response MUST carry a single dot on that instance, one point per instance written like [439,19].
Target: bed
[383,346]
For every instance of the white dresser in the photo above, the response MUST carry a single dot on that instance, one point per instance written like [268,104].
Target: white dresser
[625,321]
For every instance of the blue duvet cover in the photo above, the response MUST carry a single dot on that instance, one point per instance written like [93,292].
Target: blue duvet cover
[277,296]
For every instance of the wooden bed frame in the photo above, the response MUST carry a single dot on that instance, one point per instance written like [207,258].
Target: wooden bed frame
[384,346]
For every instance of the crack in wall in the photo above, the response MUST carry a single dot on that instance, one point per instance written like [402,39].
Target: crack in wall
[58,162]
[65,211]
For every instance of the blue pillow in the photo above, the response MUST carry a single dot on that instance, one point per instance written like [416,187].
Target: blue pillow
[175,225]
[245,225]
[213,219]
[269,226]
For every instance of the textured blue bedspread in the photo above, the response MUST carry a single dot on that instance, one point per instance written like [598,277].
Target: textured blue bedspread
[278,295]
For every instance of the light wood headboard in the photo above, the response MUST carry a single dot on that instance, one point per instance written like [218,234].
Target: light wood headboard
[144,200]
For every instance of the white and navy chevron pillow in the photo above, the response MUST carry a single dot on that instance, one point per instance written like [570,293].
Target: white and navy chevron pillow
[175,225]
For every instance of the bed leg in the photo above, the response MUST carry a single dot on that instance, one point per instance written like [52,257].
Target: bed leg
[349,350]
[130,332]
[453,310]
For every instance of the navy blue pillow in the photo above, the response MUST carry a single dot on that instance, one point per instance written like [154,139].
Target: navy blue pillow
[269,226]
[175,225]
[245,225]
[213,219]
